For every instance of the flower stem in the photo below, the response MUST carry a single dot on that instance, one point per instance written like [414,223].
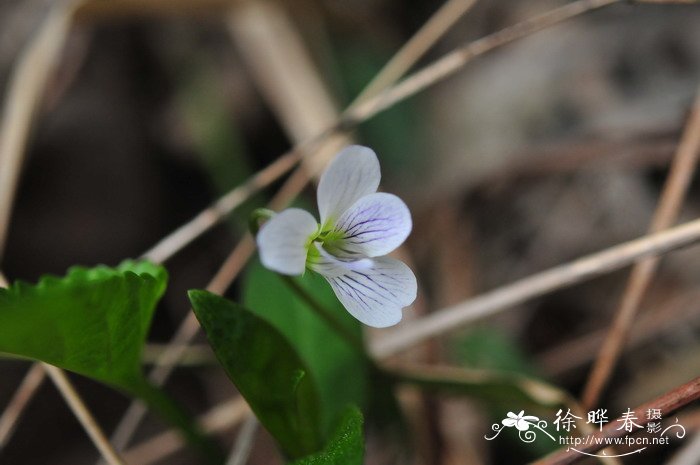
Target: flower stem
[353,339]
[256,217]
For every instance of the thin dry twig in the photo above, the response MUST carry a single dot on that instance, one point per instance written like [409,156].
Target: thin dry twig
[667,403]
[81,412]
[24,393]
[244,442]
[35,67]
[218,419]
[666,213]
[680,311]
[432,31]
[536,285]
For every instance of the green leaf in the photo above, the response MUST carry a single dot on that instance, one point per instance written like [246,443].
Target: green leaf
[338,368]
[266,370]
[92,321]
[495,388]
[346,447]
[489,348]
[95,322]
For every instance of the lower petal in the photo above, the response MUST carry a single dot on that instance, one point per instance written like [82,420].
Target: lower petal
[376,292]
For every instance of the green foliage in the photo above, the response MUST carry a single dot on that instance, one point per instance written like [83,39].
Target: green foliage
[341,372]
[495,388]
[346,447]
[92,321]
[489,348]
[266,370]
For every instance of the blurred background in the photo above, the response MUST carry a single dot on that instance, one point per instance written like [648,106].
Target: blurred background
[545,150]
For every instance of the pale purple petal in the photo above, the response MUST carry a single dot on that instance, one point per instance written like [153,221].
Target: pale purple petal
[375,225]
[352,174]
[330,266]
[282,241]
[377,293]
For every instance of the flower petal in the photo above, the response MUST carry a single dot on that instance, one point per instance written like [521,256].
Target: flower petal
[509,422]
[352,174]
[283,240]
[374,226]
[376,291]
[329,266]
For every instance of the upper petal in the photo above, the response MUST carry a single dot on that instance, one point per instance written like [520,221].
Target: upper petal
[375,225]
[375,292]
[352,174]
[283,240]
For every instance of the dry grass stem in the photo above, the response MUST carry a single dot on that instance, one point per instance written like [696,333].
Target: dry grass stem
[490,303]
[678,312]
[28,81]
[432,31]
[24,393]
[218,419]
[205,220]
[81,412]
[244,442]
[667,211]
[457,59]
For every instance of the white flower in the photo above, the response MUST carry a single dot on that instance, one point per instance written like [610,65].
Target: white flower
[358,227]
[520,421]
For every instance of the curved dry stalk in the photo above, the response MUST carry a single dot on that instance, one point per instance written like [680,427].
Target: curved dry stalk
[26,88]
[23,394]
[206,219]
[667,403]
[80,410]
[536,285]
[432,31]
[218,419]
[675,189]
[244,442]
